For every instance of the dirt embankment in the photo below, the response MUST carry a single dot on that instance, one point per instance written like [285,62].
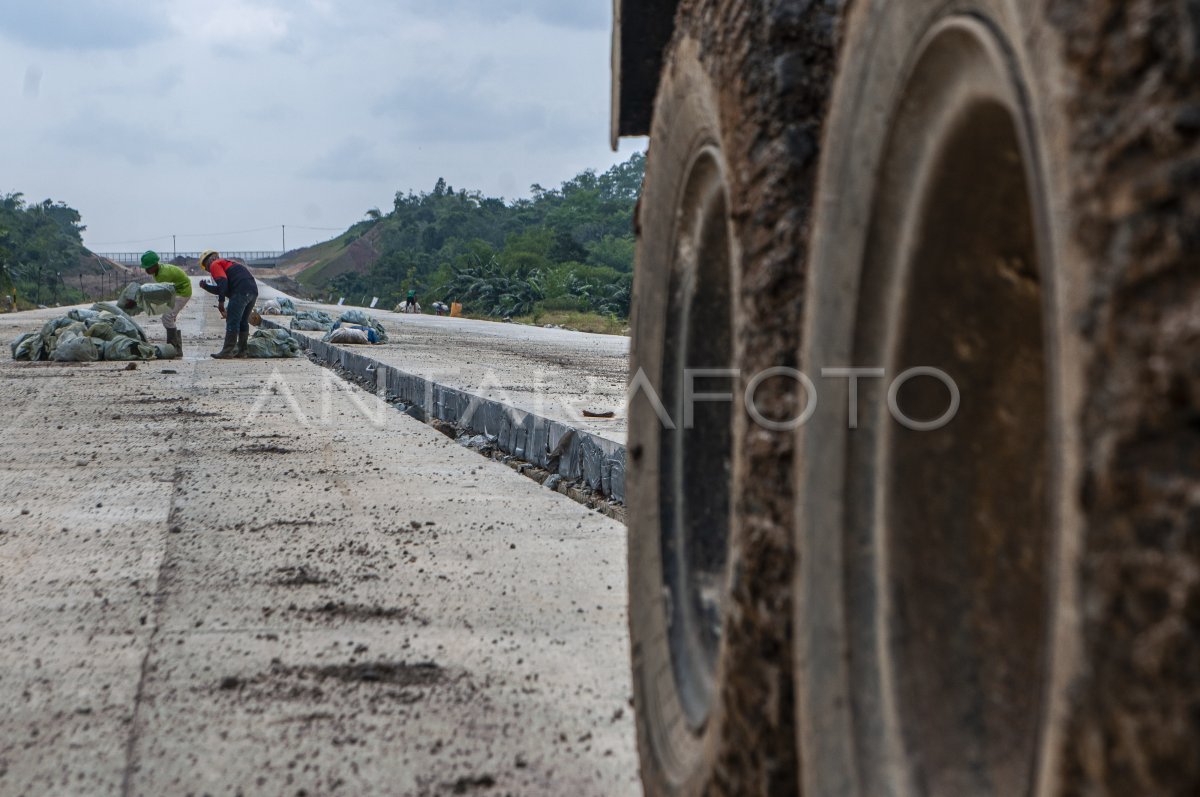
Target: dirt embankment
[315,266]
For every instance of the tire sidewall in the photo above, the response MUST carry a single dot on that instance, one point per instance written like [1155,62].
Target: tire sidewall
[685,122]
[882,44]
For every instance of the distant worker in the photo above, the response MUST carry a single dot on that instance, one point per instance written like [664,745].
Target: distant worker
[410,304]
[233,281]
[165,272]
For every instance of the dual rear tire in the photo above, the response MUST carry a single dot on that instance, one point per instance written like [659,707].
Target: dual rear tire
[949,580]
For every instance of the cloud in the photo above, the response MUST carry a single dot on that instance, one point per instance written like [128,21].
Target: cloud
[329,103]
[139,145]
[158,84]
[232,25]
[558,13]
[82,24]
[353,160]
[459,109]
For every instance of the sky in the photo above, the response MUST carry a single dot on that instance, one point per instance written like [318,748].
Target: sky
[223,121]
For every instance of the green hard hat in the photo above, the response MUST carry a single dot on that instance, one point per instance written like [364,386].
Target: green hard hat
[150,260]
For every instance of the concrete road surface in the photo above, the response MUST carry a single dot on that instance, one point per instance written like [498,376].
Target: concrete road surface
[554,373]
[246,578]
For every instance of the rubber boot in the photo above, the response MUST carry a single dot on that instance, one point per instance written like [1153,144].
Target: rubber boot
[229,349]
[242,346]
[175,338]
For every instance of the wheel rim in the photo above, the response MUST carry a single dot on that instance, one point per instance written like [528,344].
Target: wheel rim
[958,516]
[696,454]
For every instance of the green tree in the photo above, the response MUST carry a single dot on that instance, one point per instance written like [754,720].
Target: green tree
[503,258]
[39,242]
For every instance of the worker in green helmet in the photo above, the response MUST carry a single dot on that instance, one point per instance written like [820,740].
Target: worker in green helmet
[165,272]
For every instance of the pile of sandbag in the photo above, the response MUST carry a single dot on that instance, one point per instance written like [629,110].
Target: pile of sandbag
[353,335]
[312,321]
[269,343]
[105,332]
[282,306]
[152,298]
[356,327]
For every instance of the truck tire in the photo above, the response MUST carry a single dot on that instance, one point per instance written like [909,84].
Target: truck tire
[999,590]
[723,226]
[674,643]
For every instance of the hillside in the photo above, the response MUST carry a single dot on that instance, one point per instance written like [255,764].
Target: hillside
[568,249]
[309,270]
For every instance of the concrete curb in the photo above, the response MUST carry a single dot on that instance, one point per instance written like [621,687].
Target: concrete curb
[573,454]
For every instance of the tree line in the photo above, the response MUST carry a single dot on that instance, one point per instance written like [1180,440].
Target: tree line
[564,249]
[39,244]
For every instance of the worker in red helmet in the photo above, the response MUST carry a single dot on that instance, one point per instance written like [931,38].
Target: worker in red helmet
[232,281]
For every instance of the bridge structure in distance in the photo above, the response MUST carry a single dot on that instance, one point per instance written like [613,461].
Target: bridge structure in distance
[259,259]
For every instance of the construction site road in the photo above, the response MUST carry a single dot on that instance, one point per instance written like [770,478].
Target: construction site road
[248,577]
[554,373]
